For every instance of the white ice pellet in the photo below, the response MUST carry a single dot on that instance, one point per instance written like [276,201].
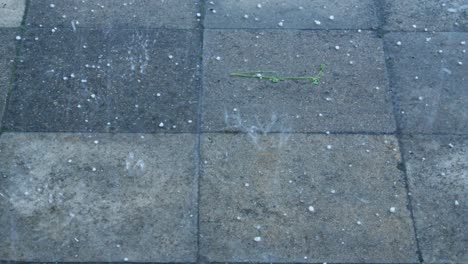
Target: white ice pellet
[257,239]
[451,145]
[259,5]
[337,47]
[280,23]
[329,146]
[158,94]
[317,22]
[218,58]
[246,16]
[198,15]
[52,5]
[94,169]
[392,209]
[93,96]
[311,209]
[18,37]
[161,124]
[463,43]
[457,203]
[125,259]
[331,17]
[96,141]
[460,63]
[359,223]
[170,56]
[190,121]
[398,43]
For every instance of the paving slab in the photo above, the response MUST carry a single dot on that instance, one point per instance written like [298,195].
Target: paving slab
[436,167]
[7,56]
[303,198]
[429,75]
[11,12]
[416,15]
[98,197]
[114,13]
[106,81]
[352,96]
[300,14]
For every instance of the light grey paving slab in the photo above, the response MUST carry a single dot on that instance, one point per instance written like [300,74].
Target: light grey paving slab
[352,96]
[291,198]
[429,75]
[7,56]
[114,13]
[301,14]
[120,80]
[11,12]
[438,178]
[417,15]
[80,197]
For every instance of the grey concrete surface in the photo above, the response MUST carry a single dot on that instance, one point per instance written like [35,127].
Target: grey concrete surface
[11,12]
[106,81]
[103,197]
[438,177]
[7,57]
[256,193]
[114,13]
[300,14]
[429,75]
[417,15]
[352,96]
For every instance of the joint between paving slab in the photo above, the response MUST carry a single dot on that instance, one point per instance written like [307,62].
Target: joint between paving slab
[22,29]
[381,33]
[199,167]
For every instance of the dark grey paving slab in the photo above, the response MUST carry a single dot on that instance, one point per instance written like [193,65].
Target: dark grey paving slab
[438,177]
[83,197]
[106,81]
[416,15]
[11,12]
[303,198]
[302,14]
[352,96]
[7,56]
[429,75]
[114,13]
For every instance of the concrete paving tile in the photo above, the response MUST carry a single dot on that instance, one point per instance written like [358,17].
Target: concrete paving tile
[304,198]
[438,178]
[299,14]
[106,81]
[11,12]
[98,197]
[416,15]
[352,96]
[7,56]
[429,75]
[114,13]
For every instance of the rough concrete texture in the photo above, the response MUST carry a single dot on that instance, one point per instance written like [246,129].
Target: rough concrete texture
[114,13]
[417,15]
[83,197]
[352,96]
[256,193]
[429,73]
[438,177]
[11,12]
[300,14]
[7,56]
[106,81]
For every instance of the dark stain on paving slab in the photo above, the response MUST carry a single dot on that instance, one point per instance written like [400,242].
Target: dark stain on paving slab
[106,81]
